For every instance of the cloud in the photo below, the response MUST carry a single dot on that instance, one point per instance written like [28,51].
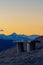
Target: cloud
[1,30]
[41,28]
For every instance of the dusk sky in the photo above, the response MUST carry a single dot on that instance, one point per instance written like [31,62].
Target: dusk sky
[21,16]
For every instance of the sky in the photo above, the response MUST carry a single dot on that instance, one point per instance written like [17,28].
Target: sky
[21,16]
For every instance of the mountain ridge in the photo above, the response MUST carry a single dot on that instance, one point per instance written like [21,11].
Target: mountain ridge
[15,37]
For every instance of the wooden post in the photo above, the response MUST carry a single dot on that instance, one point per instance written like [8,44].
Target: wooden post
[28,47]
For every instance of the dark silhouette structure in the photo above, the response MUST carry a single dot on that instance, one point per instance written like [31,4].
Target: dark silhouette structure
[33,44]
[26,46]
[20,46]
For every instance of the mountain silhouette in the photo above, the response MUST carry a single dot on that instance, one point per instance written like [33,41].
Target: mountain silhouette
[16,37]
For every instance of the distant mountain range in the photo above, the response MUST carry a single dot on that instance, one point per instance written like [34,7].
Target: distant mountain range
[17,37]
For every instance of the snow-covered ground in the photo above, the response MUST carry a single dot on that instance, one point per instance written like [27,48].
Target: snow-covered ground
[11,57]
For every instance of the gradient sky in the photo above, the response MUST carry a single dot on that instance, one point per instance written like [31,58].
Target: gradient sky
[21,16]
